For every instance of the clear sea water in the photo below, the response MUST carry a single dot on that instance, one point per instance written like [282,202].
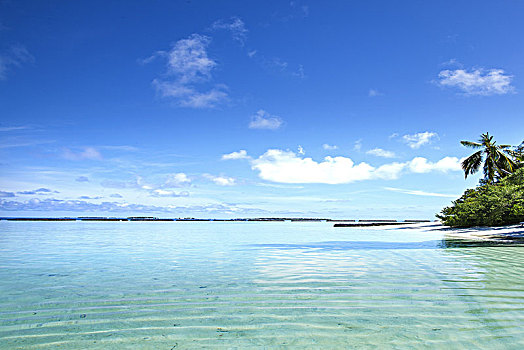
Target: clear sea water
[182,285]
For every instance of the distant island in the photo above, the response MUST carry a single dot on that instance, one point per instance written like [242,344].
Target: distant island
[339,223]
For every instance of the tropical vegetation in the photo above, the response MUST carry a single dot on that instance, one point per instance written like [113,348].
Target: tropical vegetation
[499,197]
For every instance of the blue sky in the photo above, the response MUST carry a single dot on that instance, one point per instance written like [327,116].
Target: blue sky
[248,109]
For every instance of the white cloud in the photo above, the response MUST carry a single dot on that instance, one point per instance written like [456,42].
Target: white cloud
[379,152]
[188,63]
[374,93]
[419,139]
[329,147]
[124,148]
[13,128]
[187,96]
[88,153]
[242,154]
[14,57]
[264,120]
[358,145]
[220,180]
[420,193]
[301,150]
[82,179]
[188,59]
[446,164]
[236,26]
[165,193]
[177,180]
[286,167]
[477,82]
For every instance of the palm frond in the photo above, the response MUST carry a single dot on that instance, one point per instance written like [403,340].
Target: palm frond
[471,144]
[472,164]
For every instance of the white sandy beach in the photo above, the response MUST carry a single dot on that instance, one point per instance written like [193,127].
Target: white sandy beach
[508,234]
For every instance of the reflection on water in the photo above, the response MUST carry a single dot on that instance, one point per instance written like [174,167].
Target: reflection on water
[237,285]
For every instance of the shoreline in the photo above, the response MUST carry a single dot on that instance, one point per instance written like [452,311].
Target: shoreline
[495,234]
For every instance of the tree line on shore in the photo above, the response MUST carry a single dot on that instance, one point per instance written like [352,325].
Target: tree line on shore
[499,197]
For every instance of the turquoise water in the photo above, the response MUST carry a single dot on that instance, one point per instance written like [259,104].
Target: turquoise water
[175,285]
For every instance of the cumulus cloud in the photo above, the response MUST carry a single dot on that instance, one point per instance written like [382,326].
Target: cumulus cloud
[264,120]
[477,82]
[329,147]
[235,26]
[177,180]
[82,179]
[4,194]
[286,167]
[115,195]
[379,152]
[14,57]
[189,65]
[87,153]
[417,140]
[420,193]
[242,154]
[446,164]
[220,180]
[90,197]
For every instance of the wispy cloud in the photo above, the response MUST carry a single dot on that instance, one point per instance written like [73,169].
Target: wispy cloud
[89,153]
[264,120]
[124,148]
[4,194]
[374,93]
[329,147]
[38,191]
[13,128]
[417,140]
[358,145]
[477,82]
[14,57]
[189,66]
[420,193]
[82,206]
[166,193]
[90,197]
[82,179]
[242,154]
[379,152]
[235,26]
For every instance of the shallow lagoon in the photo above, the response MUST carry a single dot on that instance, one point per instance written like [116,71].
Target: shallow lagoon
[169,285]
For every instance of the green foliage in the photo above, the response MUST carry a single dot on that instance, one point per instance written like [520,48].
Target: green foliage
[497,204]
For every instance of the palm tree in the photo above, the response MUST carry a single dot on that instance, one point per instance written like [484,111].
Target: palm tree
[497,162]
